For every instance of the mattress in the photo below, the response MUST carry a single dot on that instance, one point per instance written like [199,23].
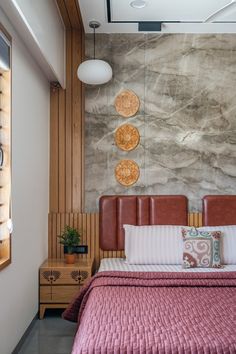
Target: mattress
[119,264]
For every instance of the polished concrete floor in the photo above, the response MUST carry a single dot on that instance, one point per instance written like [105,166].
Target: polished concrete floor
[52,335]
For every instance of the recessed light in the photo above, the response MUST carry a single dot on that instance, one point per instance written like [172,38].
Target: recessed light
[138,4]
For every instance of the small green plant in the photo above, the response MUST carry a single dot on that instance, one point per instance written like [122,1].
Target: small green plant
[70,238]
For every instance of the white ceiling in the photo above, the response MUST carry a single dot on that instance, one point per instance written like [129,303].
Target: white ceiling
[186,11]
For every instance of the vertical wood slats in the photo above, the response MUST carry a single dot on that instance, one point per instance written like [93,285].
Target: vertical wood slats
[61,151]
[88,223]
[195,219]
[54,153]
[77,165]
[64,13]
[68,123]
[66,133]
[70,13]
[74,14]
[67,120]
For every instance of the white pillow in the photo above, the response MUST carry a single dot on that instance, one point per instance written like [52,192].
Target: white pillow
[228,241]
[155,244]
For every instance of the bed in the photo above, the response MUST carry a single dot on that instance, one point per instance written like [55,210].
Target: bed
[156,308]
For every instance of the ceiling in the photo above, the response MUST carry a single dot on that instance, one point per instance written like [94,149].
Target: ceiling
[177,16]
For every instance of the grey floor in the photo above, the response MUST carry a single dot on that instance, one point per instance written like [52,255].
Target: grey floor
[52,335]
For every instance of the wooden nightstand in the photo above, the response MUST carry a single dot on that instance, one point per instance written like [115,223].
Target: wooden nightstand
[59,282]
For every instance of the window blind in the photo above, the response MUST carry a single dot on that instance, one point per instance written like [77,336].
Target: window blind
[5,137]
[4,52]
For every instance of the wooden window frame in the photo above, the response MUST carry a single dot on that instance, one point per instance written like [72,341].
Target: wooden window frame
[5,245]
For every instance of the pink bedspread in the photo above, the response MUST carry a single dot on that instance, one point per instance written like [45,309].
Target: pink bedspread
[156,313]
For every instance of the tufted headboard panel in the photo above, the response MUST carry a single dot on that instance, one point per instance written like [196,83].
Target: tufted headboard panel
[219,210]
[115,211]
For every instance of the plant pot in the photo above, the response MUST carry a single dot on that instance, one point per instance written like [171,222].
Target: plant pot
[70,258]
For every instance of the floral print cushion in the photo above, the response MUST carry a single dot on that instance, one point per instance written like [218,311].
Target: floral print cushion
[201,248]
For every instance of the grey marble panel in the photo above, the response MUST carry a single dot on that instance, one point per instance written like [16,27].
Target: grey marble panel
[187,118]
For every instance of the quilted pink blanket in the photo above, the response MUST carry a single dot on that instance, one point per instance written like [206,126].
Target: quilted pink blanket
[156,313]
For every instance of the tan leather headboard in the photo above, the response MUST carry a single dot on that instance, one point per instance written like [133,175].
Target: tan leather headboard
[219,210]
[115,211]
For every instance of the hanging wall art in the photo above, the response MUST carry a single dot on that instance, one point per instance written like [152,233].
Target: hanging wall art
[127,103]
[127,137]
[127,172]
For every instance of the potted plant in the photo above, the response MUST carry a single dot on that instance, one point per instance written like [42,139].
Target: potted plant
[70,238]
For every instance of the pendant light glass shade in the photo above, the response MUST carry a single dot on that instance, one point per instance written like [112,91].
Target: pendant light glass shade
[94,71]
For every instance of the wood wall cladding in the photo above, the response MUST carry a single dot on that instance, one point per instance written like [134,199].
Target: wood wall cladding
[70,13]
[89,225]
[67,121]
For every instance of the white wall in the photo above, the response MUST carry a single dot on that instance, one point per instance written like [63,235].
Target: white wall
[40,26]
[30,160]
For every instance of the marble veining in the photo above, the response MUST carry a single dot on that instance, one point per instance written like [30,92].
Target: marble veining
[187,117]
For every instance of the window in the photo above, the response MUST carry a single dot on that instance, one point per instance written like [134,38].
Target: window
[5,148]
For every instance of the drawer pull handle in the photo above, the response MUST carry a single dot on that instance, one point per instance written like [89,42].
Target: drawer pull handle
[47,275]
[79,276]
[51,275]
[55,275]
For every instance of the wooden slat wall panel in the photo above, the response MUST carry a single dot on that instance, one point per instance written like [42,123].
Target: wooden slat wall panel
[54,153]
[195,219]
[82,127]
[61,152]
[64,13]
[77,117]
[67,121]
[67,129]
[88,223]
[70,13]
[74,14]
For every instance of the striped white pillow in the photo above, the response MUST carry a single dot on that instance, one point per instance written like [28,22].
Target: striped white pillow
[155,244]
[228,241]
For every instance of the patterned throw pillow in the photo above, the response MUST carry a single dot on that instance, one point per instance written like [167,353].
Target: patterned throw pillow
[201,248]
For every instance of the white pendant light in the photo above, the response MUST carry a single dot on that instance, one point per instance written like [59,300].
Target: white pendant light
[94,71]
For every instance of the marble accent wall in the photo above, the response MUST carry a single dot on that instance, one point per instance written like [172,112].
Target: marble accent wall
[187,118]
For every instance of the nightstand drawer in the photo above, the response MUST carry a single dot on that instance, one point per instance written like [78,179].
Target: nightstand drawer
[63,276]
[58,294]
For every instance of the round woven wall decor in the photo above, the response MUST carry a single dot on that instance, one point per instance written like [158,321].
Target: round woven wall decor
[127,172]
[127,137]
[127,103]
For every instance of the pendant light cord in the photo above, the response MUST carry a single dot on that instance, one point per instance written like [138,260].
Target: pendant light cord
[94,25]
[94,42]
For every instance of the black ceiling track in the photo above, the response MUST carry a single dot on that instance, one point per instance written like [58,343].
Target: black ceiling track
[149,26]
[109,11]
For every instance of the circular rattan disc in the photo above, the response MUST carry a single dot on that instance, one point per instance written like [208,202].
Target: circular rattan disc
[127,103]
[127,137]
[127,172]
